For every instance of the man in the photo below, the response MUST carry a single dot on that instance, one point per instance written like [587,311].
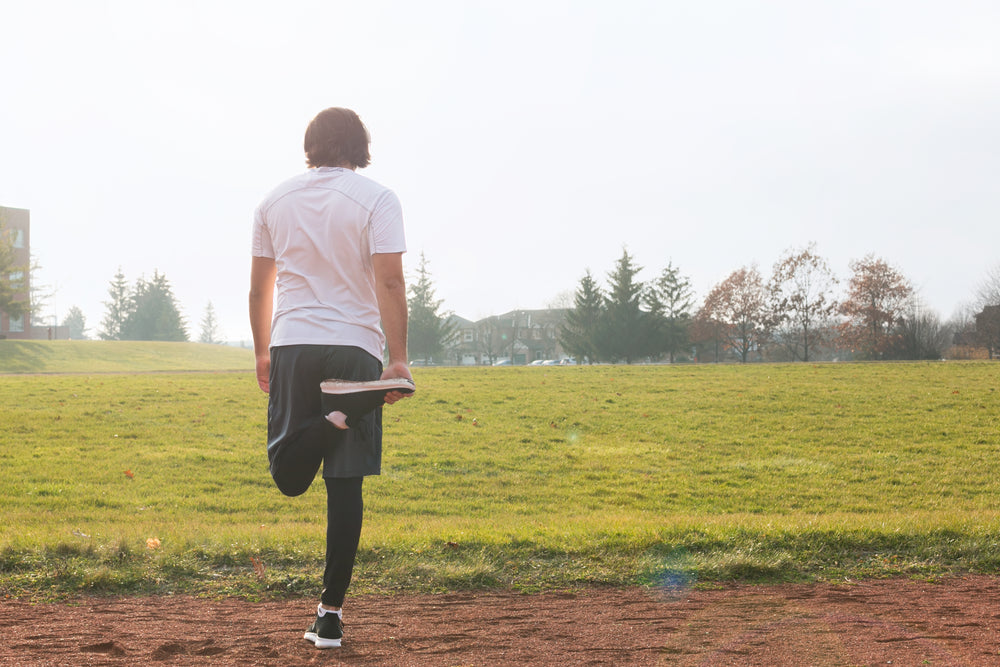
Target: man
[331,243]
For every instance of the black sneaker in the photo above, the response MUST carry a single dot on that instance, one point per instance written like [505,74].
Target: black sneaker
[355,399]
[326,631]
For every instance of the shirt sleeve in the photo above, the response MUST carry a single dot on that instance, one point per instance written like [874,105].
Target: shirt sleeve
[261,245]
[385,228]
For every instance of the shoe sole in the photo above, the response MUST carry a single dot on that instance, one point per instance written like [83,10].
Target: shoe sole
[346,387]
[321,642]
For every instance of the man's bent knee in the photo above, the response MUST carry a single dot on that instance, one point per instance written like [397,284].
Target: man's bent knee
[292,486]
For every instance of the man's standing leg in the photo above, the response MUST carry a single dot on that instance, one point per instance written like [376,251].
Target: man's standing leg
[344,511]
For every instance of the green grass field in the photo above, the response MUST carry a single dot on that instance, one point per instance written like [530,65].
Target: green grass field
[97,356]
[523,478]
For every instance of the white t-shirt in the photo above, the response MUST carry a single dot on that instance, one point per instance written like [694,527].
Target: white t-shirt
[322,228]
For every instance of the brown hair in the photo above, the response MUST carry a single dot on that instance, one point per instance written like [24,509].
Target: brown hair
[337,136]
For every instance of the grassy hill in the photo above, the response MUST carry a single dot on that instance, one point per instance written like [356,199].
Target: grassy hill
[91,356]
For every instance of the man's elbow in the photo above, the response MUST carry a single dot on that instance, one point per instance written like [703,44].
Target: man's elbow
[393,284]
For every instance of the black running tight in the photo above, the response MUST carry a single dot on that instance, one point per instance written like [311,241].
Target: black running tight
[344,509]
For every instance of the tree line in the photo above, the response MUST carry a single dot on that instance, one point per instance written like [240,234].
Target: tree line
[795,314]
[145,310]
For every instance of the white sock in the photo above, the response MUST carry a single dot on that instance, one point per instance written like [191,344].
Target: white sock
[338,419]
[323,612]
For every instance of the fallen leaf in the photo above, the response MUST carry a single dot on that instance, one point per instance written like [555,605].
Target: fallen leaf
[258,567]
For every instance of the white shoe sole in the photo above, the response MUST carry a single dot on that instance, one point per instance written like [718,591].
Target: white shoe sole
[321,642]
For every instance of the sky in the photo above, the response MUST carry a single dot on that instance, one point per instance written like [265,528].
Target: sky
[529,141]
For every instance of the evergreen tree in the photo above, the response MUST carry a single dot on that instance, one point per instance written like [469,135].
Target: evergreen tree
[153,312]
[626,331]
[209,326]
[76,323]
[580,333]
[670,300]
[429,330]
[117,308]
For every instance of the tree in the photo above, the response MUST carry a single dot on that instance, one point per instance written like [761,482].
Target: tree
[39,296]
[988,293]
[429,329]
[626,331]
[740,304]
[920,335]
[117,308]
[153,313]
[490,339]
[76,323]
[12,300]
[670,299]
[707,332]
[802,299]
[579,333]
[878,296]
[209,326]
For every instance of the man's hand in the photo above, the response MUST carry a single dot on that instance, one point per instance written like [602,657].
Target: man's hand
[392,372]
[264,372]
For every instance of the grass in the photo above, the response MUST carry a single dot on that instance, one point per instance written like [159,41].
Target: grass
[518,478]
[95,356]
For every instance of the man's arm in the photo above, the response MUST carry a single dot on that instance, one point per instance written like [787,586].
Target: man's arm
[390,289]
[262,273]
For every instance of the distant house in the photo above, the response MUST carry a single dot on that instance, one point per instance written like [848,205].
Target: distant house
[519,336]
[17,222]
[462,349]
[988,330]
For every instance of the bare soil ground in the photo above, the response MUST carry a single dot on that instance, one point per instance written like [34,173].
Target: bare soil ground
[899,622]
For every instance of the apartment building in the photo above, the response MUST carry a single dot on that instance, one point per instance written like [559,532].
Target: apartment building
[17,223]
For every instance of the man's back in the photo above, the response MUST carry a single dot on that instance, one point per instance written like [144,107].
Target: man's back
[321,228]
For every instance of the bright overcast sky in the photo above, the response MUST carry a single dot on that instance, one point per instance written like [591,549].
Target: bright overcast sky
[529,141]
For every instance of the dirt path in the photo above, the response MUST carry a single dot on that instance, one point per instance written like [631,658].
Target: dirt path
[897,622]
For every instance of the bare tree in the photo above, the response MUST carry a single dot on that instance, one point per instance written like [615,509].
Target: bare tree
[988,292]
[740,304]
[707,334]
[39,296]
[878,297]
[563,299]
[802,299]
[921,335]
[490,338]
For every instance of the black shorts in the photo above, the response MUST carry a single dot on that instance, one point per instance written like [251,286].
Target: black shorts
[298,436]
